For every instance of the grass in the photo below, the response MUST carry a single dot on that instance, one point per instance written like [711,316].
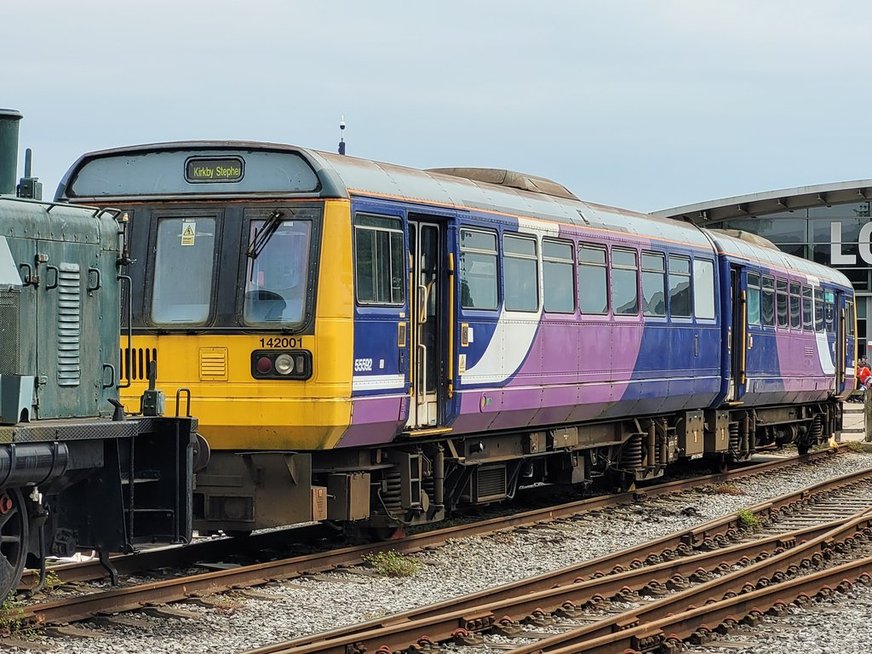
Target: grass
[748,519]
[859,446]
[392,564]
[52,580]
[12,620]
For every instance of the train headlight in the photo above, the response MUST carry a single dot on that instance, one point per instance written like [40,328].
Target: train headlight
[281,364]
[284,364]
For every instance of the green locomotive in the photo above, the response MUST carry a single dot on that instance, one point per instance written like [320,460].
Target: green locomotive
[75,471]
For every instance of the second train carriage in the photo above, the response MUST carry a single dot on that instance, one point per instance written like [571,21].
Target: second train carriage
[377,343]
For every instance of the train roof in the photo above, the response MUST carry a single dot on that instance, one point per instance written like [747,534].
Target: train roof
[752,249]
[145,168]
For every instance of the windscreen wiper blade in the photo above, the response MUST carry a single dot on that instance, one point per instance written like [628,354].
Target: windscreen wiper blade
[264,234]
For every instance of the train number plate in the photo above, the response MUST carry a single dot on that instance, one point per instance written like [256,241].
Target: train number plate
[283,342]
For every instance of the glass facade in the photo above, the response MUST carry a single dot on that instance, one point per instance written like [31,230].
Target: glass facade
[837,236]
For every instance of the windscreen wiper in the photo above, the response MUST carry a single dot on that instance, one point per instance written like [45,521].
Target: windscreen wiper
[264,234]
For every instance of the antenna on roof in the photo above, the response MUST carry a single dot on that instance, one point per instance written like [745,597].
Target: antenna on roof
[341,135]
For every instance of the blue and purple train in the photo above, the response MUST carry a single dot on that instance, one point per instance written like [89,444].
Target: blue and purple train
[377,344]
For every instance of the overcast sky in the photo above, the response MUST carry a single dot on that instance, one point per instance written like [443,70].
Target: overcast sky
[642,104]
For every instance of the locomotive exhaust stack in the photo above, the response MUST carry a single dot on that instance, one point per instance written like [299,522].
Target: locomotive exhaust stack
[9,120]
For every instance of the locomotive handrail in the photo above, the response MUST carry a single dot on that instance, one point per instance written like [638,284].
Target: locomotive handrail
[187,392]
[57,277]
[111,368]
[128,352]
[98,280]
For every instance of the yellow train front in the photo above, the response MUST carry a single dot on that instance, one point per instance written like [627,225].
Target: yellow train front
[366,342]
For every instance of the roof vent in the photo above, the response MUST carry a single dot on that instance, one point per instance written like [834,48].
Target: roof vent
[502,177]
[748,237]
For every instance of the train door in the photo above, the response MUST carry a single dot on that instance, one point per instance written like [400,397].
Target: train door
[425,254]
[841,345]
[738,343]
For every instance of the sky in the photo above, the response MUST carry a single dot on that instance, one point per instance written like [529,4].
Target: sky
[643,104]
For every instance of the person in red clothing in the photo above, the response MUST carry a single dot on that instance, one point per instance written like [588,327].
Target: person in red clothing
[864,374]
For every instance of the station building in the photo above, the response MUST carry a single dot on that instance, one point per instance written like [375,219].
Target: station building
[828,223]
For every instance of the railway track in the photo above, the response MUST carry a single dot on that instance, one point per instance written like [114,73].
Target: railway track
[135,597]
[652,569]
[221,549]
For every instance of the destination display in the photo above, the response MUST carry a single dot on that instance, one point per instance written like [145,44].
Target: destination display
[202,170]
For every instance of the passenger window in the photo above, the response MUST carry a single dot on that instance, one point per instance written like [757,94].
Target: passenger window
[818,310]
[807,312]
[183,244]
[625,285]
[767,302]
[653,284]
[795,310]
[378,260]
[592,279]
[478,269]
[557,277]
[781,302]
[753,299]
[520,273]
[704,288]
[679,287]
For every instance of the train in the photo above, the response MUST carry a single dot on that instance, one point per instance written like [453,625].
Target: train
[376,346]
[76,472]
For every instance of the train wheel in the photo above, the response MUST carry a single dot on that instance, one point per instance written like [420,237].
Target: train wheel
[14,533]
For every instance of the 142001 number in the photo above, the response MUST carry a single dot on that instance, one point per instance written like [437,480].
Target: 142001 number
[281,341]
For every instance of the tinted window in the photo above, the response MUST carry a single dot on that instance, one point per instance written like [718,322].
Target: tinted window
[704,288]
[753,299]
[767,302]
[781,302]
[183,244]
[679,287]
[653,284]
[478,269]
[829,311]
[807,311]
[849,316]
[557,277]
[818,310]
[378,260]
[521,274]
[625,287]
[795,311]
[592,282]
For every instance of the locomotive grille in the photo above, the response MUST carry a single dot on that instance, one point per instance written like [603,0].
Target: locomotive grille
[10,346]
[213,363]
[69,325]
[135,361]
[490,483]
